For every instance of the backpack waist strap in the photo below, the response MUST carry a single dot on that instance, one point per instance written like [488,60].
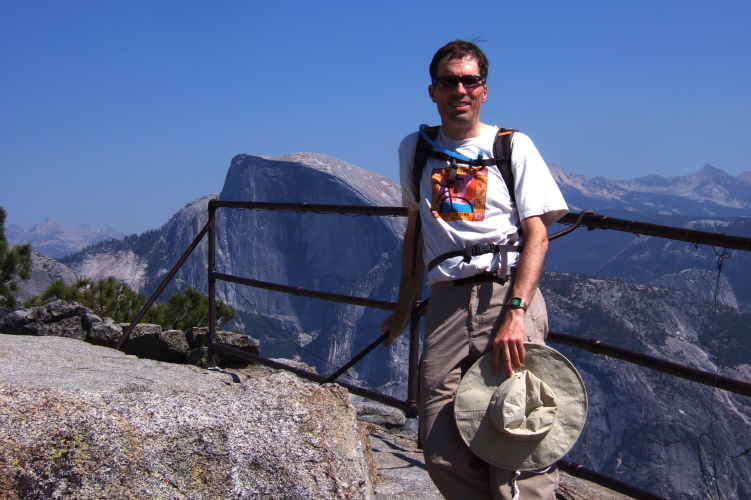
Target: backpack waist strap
[481,249]
[474,251]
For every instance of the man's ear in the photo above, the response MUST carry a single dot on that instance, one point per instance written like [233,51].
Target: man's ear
[484,92]
[431,91]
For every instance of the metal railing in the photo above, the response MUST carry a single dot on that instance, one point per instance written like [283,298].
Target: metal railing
[587,219]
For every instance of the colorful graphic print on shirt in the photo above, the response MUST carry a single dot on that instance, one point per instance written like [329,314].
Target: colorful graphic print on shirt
[461,197]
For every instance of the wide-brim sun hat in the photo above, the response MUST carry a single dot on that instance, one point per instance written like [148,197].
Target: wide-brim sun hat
[527,421]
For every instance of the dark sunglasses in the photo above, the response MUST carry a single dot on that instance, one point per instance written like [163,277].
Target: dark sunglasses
[467,81]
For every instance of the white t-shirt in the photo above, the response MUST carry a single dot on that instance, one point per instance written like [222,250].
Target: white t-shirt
[476,207]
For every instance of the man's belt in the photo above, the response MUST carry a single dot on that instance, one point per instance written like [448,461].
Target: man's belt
[471,280]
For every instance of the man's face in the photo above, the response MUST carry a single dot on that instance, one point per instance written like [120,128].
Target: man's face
[459,106]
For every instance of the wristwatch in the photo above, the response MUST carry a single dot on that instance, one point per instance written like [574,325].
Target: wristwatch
[517,303]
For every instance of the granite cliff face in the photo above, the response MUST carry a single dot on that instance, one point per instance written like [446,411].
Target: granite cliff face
[44,270]
[645,427]
[334,253]
[648,259]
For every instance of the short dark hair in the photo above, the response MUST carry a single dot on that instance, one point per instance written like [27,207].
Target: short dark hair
[459,49]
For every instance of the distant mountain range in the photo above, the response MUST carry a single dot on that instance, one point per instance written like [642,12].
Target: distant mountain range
[710,191]
[54,239]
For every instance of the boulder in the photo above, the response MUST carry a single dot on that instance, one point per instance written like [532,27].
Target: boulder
[87,422]
[58,319]
[198,340]
[103,331]
[72,320]
[240,342]
[295,364]
[149,341]
[377,413]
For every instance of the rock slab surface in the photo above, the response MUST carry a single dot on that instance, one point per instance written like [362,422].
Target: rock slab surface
[87,422]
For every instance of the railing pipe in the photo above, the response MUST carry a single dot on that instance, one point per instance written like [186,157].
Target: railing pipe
[586,218]
[577,470]
[359,391]
[637,358]
[594,221]
[305,292]
[413,382]
[126,334]
[212,283]
[356,359]
[590,219]
[312,207]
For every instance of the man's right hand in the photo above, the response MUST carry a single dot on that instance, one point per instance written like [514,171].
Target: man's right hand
[410,282]
[394,326]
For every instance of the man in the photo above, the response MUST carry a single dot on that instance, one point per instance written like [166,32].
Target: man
[460,207]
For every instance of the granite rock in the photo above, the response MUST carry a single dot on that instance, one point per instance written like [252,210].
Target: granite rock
[83,421]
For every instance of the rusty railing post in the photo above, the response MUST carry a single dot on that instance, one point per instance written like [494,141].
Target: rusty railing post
[414,361]
[212,283]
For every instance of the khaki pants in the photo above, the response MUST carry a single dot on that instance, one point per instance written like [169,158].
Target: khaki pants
[459,328]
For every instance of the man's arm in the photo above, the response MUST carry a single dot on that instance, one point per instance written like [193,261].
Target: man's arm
[508,345]
[409,284]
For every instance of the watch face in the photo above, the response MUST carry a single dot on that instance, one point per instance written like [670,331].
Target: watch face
[517,303]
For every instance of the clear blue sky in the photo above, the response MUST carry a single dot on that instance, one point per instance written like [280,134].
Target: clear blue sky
[118,113]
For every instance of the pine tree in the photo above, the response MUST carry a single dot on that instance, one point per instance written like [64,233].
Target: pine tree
[110,298]
[15,264]
[188,309]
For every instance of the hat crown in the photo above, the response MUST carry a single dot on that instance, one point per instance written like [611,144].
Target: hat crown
[523,407]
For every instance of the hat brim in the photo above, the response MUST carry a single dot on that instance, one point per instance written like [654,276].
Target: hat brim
[476,428]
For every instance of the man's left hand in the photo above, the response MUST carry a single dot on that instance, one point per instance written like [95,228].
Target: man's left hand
[508,344]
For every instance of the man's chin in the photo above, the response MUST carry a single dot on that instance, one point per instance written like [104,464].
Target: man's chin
[462,117]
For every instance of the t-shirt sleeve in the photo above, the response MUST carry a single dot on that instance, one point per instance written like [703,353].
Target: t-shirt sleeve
[406,158]
[537,193]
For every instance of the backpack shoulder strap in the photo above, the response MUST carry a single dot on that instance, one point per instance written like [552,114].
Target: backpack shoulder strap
[422,153]
[502,154]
